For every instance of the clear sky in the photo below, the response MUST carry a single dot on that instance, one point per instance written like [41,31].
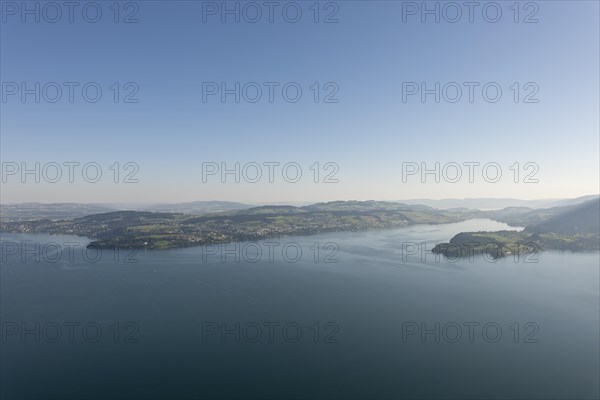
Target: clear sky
[369,58]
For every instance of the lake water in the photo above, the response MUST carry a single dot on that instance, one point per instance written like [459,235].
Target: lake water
[338,315]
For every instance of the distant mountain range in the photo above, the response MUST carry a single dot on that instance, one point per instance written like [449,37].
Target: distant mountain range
[579,219]
[61,211]
[52,211]
[198,207]
[497,203]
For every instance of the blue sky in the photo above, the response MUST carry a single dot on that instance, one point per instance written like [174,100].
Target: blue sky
[368,55]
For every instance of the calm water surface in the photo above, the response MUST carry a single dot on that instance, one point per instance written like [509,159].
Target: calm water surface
[349,315]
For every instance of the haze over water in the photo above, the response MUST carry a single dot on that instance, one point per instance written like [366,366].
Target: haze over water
[349,325]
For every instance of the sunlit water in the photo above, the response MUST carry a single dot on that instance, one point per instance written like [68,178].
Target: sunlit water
[346,320]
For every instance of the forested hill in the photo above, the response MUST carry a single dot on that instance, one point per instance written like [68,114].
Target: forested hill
[582,219]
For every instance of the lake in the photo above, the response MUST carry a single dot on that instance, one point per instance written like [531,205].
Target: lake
[339,315]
